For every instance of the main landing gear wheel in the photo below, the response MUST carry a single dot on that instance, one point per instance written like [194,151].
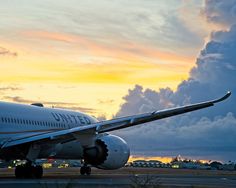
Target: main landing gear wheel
[28,171]
[85,170]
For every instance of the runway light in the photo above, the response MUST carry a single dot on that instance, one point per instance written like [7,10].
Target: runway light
[64,165]
[175,166]
[47,165]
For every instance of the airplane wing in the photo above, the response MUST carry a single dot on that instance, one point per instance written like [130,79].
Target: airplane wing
[67,135]
[120,123]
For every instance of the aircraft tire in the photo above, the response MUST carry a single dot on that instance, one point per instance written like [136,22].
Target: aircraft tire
[88,170]
[85,170]
[82,170]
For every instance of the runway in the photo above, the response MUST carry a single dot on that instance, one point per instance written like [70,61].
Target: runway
[126,177]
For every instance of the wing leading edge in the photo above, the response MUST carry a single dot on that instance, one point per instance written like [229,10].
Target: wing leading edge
[110,125]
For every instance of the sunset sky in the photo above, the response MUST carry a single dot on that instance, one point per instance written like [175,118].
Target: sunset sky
[116,58]
[87,54]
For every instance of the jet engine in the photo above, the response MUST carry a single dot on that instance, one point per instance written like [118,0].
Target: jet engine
[110,152]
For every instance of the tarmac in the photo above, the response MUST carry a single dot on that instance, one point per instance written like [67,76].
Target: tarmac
[125,177]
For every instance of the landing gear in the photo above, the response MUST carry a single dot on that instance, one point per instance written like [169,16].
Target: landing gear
[28,171]
[85,170]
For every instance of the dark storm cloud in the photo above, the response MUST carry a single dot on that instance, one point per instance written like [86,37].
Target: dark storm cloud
[184,135]
[64,105]
[196,133]
[6,52]
[221,12]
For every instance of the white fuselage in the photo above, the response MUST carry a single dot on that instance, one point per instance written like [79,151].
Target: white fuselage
[17,120]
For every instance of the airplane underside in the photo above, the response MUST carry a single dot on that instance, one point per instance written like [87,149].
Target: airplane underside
[108,152]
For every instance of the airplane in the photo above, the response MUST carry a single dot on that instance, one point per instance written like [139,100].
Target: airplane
[31,132]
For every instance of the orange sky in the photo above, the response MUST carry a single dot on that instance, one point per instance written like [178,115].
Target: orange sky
[162,159]
[78,54]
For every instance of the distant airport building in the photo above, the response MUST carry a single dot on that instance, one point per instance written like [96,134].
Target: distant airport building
[148,164]
[189,165]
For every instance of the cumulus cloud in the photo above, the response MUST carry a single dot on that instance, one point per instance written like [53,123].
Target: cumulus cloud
[140,101]
[6,52]
[208,132]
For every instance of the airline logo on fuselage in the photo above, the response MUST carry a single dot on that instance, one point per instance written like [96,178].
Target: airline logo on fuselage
[71,118]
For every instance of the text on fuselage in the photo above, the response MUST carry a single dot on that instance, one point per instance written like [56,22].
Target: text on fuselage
[71,118]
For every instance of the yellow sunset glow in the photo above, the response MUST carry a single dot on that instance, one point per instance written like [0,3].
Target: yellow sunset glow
[53,58]
[96,73]
[162,159]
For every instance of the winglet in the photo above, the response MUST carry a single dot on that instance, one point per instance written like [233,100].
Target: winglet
[222,98]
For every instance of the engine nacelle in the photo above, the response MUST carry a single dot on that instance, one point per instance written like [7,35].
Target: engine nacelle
[110,152]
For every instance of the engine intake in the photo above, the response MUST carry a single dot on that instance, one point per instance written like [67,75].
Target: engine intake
[109,152]
[97,154]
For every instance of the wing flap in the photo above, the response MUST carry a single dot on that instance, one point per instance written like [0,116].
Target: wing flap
[61,136]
